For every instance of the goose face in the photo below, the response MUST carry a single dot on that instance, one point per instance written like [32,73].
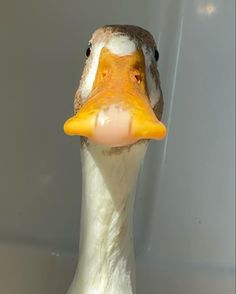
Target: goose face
[119,100]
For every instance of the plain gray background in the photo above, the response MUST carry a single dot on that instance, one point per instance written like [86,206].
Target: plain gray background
[186,194]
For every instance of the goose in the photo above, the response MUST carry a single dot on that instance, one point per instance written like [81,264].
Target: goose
[118,108]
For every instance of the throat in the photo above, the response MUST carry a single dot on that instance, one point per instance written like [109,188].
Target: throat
[106,257]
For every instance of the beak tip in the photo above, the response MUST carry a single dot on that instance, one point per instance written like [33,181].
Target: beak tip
[68,127]
[162,131]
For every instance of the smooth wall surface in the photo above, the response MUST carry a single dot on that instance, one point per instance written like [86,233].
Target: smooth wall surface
[193,218]
[185,197]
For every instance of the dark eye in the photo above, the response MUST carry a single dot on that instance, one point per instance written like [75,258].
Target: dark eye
[88,51]
[156,55]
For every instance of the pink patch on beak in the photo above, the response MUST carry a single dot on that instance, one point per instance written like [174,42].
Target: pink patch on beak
[113,127]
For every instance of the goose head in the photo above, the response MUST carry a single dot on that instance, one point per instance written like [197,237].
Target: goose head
[119,100]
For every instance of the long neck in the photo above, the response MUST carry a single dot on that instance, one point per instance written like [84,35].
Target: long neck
[106,263]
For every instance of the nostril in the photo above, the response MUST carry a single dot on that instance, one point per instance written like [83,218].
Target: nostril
[104,74]
[138,78]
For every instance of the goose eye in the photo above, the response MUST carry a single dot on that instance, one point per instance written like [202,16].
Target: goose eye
[88,51]
[156,55]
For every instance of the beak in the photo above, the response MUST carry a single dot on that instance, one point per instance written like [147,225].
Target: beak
[118,111]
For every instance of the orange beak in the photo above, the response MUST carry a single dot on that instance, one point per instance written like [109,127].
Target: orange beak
[118,111]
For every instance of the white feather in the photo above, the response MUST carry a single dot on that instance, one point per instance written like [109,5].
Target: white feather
[106,246]
[153,89]
[86,86]
[121,45]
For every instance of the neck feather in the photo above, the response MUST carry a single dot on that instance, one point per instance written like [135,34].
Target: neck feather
[106,263]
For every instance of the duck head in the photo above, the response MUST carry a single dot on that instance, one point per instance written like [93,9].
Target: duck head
[119,101]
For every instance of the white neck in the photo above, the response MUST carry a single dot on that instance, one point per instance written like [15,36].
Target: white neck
[106,262]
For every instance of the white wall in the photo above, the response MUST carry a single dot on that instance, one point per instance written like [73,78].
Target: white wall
[193,203]
[185,198]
